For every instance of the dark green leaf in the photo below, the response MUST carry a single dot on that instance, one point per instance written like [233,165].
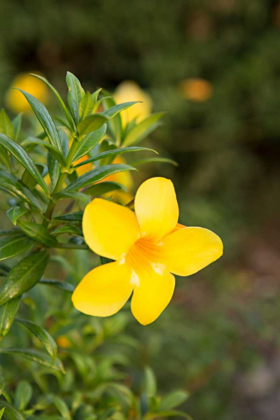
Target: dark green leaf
[17,126]
[116,109]
[97,175]
[10,246]
[10,412]
[62,285]
[91,123]
[75,195]
[44,119]
[172,400]
[68,229]
[115,124]
[23,395]
[63,106]
[52,150]
[35,356]
[24,276]
[143,129]
[15,212]
[20,154]
[75,94]
[8,313]
[38,233]
[103,188]
[113,153]
[71,217]
[89,142]
[42,335]
[4,270]
[28,180]
[153,160]
[86,105]
[6,126]
[2,386]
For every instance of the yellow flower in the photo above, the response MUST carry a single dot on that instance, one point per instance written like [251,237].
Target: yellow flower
[197,90]
[15,99]
[147,247]
[129,91]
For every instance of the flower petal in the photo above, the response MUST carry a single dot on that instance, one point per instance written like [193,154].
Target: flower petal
[109,229]
[156,208]
[188,250]
[104,290]
[153,291]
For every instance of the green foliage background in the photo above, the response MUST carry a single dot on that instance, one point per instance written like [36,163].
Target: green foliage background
[219,337]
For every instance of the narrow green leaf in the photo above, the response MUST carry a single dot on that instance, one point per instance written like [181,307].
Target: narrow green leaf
[116,109]
[68,229]
[95,95]
[8,313]
[17,126]
[37,232]
[172,400]
[10,183]
[15,212]
[143,129]
[150,383]
[6,126]
[103,188]
[89,142]
[44,119]
[151,416]
[24,276]
[115,124]
[10,246]
[113,153]
[75,195]
[75,94]
[51,149]
[35,356]
[4,270]
[77,216]
[28,180]
[23,395]
[55,92]
[86,105]
[10,412]
[2,387]
[96,175]
[24,159]
[62,408]
[54,170]
[153,160]
[42,335]
[62,285]
[91,123]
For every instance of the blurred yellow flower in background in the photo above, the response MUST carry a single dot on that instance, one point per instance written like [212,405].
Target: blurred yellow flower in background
[16,101]
[197,90]
[147,247]
[124,178]
[81,170]
[129,91]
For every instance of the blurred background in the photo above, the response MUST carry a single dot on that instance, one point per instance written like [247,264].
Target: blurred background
[215,68]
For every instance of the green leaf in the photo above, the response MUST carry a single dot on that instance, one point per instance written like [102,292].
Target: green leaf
[63,106]
[17,126]
[91,123]
[15,212]
[153,160]
[150,384]
[38,233]
[77,216]
[24,276]
[75,94]
[42,335]
[172,400]
[6,126]
[44,119]
[23,395]
[68,229]
[62,285]
[62,408]
[10,246]
[4,270]
[8,313]
[58,155]
[2,386]
[113,153]
[75,195]
[89,142]
[10,412]
[2,412]
[104,188]
[10,183]
[97,175]
[172,413]
[116,109]
[35,356]
[28,180]
[115,123]
[143,129]
[24,159]
[95,95]
[86,105]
